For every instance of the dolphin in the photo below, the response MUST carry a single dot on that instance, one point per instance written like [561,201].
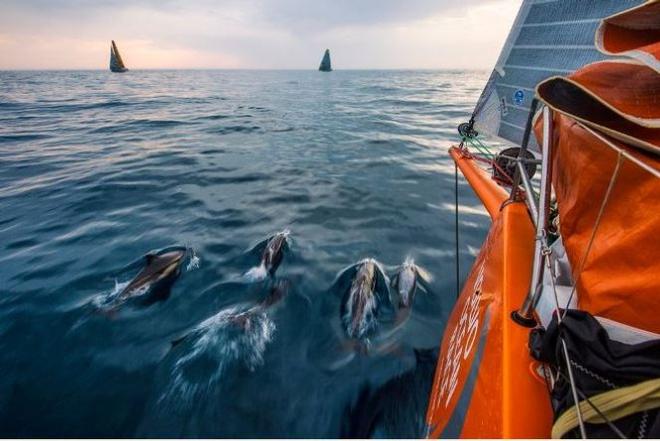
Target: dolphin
[271,257]
[276,293]
[157,276]
[405,282]
[360,307]
[245,319]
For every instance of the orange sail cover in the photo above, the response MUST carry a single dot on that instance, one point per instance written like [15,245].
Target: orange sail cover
[606,176]
[633,33]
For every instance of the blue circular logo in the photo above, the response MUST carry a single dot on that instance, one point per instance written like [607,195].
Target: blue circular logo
[518,97]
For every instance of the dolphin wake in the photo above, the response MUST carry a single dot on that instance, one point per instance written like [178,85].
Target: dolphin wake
[236,335]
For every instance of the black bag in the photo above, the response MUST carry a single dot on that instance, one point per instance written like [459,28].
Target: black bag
[598,364]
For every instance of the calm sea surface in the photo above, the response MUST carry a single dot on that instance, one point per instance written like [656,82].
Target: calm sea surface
[98,169]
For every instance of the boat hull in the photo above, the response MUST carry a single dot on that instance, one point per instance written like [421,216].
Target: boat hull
[486,384]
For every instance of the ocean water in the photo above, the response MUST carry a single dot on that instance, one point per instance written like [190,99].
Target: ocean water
[98,169]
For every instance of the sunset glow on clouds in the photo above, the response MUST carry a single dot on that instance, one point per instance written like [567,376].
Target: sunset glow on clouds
[261,34]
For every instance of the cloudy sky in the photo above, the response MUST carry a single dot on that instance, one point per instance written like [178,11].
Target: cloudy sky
[255,34]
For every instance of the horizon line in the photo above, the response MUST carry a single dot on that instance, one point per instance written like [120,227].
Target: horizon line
[51,69]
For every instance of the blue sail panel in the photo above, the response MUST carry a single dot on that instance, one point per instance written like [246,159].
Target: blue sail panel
[548,38]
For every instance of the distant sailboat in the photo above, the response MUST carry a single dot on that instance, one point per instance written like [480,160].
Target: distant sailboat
[325,62]
[116,63]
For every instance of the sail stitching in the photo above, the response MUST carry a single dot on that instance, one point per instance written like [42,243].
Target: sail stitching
[557,46]
[545,69]
[567,22]
[642,425]
[593,375]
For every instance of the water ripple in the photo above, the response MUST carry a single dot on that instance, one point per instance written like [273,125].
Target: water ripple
[99,169]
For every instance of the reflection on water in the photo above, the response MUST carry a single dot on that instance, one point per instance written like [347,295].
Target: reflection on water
[99,169]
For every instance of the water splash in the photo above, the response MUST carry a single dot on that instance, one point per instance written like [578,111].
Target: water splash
[260,272]
[107,299]
[234,336]
[193,263]
[256,274]
[365,318]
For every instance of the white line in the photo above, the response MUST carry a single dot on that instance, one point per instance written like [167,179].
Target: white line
[509,105]
[558,23]
[559,46]
[512,125]
[513,86]
[547,69]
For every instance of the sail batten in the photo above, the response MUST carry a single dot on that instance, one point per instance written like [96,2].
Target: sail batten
[548,38]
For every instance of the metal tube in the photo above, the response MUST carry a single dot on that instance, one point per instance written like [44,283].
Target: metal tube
[529,193]
[542,218]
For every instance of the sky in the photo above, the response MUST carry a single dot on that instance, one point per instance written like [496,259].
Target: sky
[254,34]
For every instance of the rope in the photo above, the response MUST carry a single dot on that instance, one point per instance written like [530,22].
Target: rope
[487,157]
[479,146]
[613,404]
[598,411]
[547,252]
[608,193]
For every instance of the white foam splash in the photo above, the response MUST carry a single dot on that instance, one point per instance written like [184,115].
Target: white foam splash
[119,287]
[256,274]
[234,335]
[193,264]
[366,320]
[287,235]
[103,300]
[379,267]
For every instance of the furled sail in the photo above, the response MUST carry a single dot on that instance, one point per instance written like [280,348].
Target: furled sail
[325,62]
[116,63]
[548,38]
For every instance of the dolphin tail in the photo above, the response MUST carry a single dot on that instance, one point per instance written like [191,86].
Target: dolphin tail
[256,273]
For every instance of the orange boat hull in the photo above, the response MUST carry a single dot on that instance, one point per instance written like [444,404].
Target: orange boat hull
[486,384]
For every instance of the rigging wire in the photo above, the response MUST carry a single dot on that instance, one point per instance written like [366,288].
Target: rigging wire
[608,421]
[561,314]
[608,193]
[458,259]
[547,253]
